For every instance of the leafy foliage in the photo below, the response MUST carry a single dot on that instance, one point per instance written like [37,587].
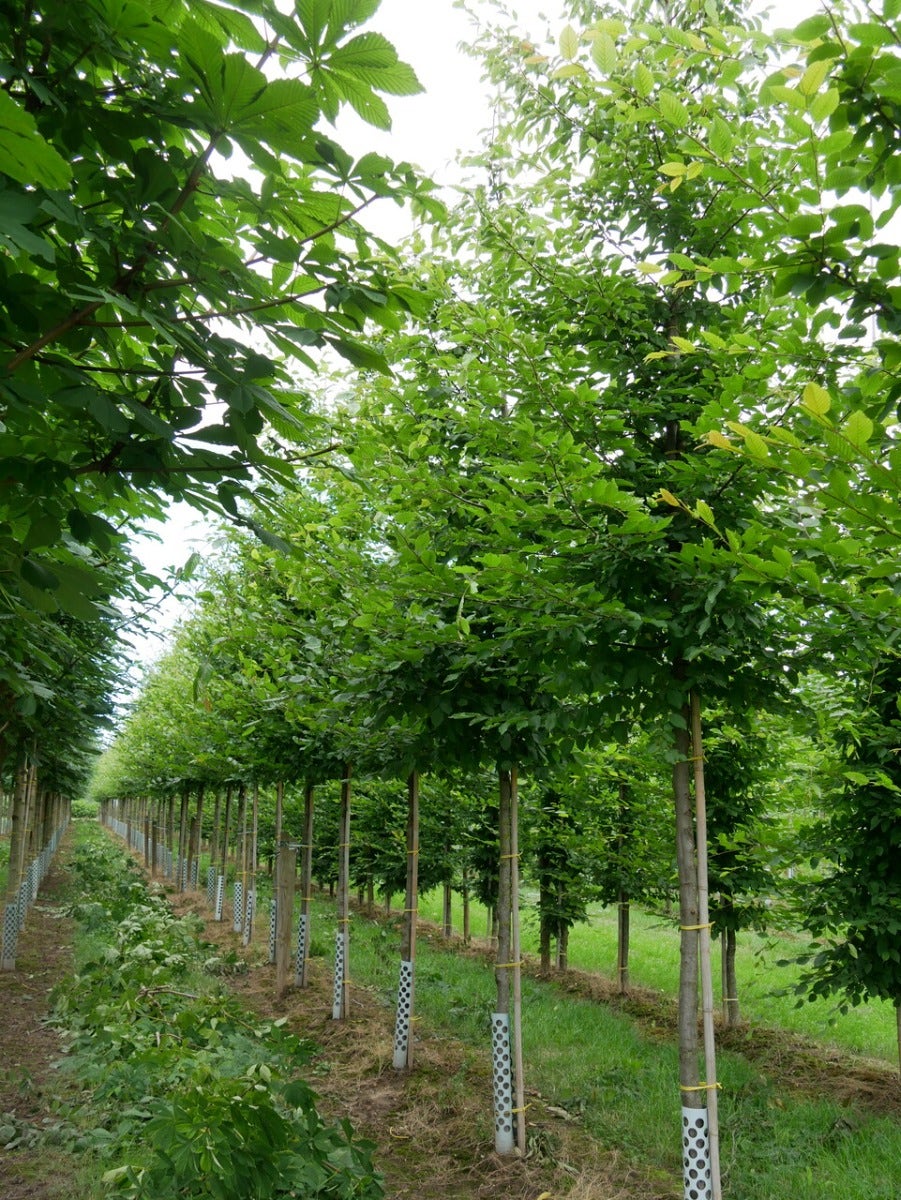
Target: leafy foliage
[211,1094]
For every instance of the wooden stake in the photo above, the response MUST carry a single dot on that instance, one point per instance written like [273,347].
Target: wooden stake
[713,1133]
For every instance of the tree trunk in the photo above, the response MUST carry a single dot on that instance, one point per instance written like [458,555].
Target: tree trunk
[196,828]
[516,952]
[622,942]
[697,754]
[182,841]
[730,980]
[689,1077]
[342,939]
[279,808]
[403,1040]
[286,872]
[447,911]
[306,889]
[500,1022]
[544,938]
[467,930]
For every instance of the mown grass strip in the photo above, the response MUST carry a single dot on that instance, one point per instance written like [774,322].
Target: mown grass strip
[619,1078]
[765,987]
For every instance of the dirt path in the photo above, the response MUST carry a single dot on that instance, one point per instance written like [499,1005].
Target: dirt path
[28,1048]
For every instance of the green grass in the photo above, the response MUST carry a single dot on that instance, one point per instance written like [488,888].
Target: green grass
[654,963]
[621,1080]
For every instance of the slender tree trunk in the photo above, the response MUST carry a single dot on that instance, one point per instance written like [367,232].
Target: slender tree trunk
[697,754]
[516,953]
[250,897]
[226,829]
[279,808]
[563,947]
[196,829]
[340,1005]
[285,875]
[730,980]
[544,932]
[403,1038]
[689,1077]
[182,839]
[306,888]
[501,1043]
[467,916]
[18,818]
[447,923]
[214,831]
[622,942]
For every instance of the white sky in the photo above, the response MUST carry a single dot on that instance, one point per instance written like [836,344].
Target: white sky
[430,130]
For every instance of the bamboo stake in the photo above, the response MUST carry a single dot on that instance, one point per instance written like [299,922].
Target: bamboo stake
[697,751]
[516,956]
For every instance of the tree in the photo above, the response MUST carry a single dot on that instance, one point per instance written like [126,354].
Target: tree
[157,296]
[856,906]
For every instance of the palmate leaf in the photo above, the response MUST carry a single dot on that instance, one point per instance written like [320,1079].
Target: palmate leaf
[372,59]
[24,155]
[282,117]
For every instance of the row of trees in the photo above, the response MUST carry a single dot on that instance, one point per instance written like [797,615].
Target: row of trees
[640,455]
[177,220]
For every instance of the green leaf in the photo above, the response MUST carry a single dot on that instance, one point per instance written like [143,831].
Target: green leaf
[816,399]
[569,43]
[673,110]
[719,138]
[858,428]
[644,81]
[24,154]
[813,78]
[603,51]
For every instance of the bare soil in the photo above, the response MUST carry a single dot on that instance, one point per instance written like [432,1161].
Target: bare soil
[28,1047]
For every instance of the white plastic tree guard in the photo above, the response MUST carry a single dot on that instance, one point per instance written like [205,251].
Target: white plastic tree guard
[338,992]
[220,897]
[503,1083]
[404,1011]
[299,960]
[238,906]
[695,1154]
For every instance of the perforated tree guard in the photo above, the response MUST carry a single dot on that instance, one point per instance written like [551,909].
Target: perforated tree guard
[10,936]
[695,1154]
[238,906]
[220,897]
[195,874]
[24,899]
[404,1009]
[338,992]
[273,922]
[250,912]
[301,948]
[210,886]
[503,1083]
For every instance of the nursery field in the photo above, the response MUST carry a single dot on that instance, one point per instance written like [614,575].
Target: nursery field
[172,1028]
